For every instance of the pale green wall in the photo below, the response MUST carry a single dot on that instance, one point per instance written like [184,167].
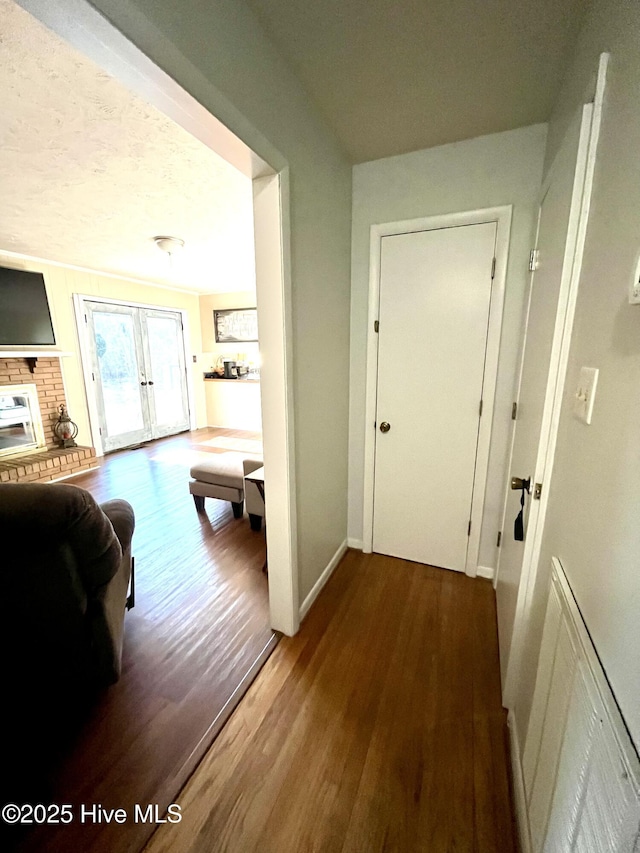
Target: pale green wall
[217,51]
[594,508]
[499,169]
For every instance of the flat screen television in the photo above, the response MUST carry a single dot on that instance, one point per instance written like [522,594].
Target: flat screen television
[25,319]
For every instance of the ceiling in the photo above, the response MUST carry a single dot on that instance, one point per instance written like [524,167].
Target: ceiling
[89,173]
[392,76]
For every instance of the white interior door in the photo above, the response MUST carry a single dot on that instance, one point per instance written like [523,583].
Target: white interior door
[556,245]
[435,296]
[138,373]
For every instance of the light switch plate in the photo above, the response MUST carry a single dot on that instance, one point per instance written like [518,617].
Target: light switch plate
[634,290]
[585,394]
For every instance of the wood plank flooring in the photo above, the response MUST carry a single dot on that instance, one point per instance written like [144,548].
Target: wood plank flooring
[199,625]
[378,727]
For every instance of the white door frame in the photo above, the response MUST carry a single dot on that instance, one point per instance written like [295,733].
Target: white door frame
[82,26]
[572,265]
[502,217]
[271,224]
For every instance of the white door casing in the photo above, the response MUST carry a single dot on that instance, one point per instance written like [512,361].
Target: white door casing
[543,371]
[400,354]
[273,287]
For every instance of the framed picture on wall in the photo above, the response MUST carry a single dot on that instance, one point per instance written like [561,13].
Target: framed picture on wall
[235,325]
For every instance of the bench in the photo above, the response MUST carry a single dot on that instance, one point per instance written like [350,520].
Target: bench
[222,477]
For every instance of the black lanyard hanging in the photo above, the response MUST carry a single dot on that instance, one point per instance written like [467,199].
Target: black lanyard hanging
[518,524]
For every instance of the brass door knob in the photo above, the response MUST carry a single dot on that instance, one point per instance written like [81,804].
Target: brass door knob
[385,427]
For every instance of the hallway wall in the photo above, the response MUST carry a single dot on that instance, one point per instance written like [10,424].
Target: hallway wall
[218,52]
[500,169]
[593,521]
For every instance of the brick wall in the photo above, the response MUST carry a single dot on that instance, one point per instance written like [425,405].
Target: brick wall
[53,463]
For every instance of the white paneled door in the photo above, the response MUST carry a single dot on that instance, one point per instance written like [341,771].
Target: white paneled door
[435,298]
[138,371]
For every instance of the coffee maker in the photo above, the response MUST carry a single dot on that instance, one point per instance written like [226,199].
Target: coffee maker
[230,370]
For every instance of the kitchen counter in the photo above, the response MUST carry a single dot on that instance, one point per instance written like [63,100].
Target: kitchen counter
[249,379]
[231,408]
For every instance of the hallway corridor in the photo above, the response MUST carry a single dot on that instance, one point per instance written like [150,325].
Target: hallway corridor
[378,727]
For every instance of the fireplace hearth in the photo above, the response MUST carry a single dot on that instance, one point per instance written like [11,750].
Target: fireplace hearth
[29,410]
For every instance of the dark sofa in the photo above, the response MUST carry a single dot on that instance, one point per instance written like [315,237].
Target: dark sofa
[66,564]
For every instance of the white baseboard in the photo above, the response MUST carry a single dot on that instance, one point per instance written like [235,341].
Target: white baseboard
[519,795]
[324,577]
[355,543]
[485,572]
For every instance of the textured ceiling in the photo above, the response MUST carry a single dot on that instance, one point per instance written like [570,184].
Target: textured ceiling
[393,76]
[89,174]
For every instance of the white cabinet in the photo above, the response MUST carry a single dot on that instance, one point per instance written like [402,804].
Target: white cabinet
[581,771]
[233,403]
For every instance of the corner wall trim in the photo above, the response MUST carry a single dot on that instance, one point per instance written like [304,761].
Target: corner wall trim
[324,577]
[519,794]
[356,544]
[485,572]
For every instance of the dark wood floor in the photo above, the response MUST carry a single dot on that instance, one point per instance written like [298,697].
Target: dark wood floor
[378,727]
[199,625]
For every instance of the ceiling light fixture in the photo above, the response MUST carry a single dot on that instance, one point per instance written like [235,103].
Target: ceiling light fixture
[170,245]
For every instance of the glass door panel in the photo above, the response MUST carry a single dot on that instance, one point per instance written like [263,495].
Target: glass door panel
[119,373]
[162,331]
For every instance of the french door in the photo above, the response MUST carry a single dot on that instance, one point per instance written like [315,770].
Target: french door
[139,373]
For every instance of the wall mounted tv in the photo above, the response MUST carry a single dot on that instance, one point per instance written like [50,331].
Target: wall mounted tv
[25,319]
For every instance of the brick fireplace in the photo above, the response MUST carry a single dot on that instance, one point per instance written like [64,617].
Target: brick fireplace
[49,462]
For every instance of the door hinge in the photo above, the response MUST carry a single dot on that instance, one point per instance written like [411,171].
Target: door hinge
[93,376]
[499,540]
[514,411]
[493,269]
[537,491]
[480,409]
[100,430]
[534,259]
[376,325]
[469,528]
[85,318]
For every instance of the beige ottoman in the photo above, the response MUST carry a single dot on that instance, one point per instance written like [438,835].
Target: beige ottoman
[222,477]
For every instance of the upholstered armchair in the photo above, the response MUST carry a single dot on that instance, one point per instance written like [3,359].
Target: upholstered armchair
[66,568]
